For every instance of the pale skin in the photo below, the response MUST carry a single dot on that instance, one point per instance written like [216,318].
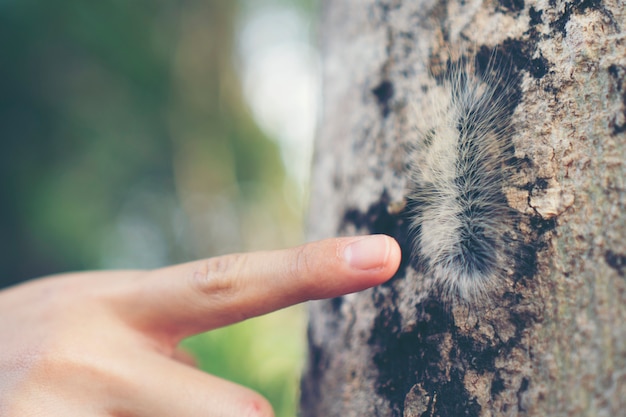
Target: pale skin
[106,343]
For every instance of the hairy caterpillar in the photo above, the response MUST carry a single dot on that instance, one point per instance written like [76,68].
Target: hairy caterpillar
[463,236]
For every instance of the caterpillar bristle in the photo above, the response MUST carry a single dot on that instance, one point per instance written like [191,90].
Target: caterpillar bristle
[461,222]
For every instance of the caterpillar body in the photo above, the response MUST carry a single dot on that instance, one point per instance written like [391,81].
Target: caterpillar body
[462,230]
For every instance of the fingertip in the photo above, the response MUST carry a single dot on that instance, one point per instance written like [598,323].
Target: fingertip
[371,260]
[373,253]
[394,257]
[391,262]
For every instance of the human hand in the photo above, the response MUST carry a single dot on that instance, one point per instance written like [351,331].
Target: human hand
[105,343]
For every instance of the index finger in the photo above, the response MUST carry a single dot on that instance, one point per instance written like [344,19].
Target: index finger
[190,298]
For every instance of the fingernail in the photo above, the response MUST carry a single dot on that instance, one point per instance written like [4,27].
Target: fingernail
[370,252]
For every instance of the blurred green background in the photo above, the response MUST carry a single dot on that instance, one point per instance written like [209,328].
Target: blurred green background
[136,134]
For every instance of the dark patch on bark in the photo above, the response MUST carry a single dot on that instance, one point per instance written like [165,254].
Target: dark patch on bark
[383,93]
[404,359]
[520,394]
[336,303]
[378,220]
[518,54]
[618,75]
[453,399]
[317,366]
[538,224]
[617,261]
[535,16]
[541,225]
[526,262]
[497,385]
[580,7]
[511,6]
[538,67]
[541,184]
[535,35]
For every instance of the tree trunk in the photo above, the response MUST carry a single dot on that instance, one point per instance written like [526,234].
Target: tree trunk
[550,337]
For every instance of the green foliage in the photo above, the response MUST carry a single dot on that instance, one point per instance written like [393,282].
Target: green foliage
[125,142]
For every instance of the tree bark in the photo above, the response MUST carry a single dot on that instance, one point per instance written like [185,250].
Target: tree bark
[552,339]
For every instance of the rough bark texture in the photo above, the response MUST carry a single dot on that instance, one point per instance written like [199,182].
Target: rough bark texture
[553,340]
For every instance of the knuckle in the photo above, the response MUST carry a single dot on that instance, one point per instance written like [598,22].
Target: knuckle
[218,275]
[300,265]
